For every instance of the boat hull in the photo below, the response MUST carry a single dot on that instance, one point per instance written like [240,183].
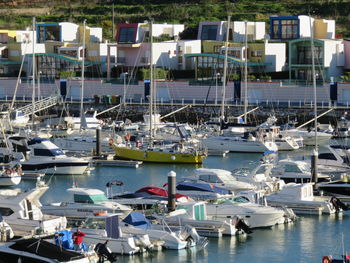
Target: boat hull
[9,180]
[157,156]
[233,144]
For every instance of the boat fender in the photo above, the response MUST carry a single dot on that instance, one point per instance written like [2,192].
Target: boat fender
[99,213]
[173,157]
[145,155]
[8,171]
[326,259]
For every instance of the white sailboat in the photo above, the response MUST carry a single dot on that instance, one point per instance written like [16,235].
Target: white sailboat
[247,143]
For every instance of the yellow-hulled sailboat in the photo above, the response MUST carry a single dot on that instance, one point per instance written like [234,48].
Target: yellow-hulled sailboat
[159,154]
[154,153]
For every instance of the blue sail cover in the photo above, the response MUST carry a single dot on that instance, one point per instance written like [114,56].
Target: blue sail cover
[203,187]
[138,220]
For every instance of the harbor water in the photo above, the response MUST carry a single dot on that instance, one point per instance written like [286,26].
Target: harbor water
[306,240]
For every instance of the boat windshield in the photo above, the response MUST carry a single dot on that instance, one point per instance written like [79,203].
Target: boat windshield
[95,223]
[90,199]
[234,200]
[48,152]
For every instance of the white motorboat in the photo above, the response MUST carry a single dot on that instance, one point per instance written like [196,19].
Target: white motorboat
[295,171]
[337,159]
[256,215]
[308,136]
[219,178]
[86,202]
[45,157]
[82,142]
[18,119]
[195,215]
[99,229]
[239,144]
[22,211]
[41,251]
[11,174]
[136,224]
[301,199]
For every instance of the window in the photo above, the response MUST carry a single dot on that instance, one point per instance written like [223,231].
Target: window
[3,38]
[127,34]
[285,29]
[5,53]
[48,152]
[304,55]
[256,53]
[209,32]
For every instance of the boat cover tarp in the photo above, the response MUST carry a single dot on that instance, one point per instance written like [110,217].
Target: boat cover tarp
[191,186]
[45,249]
[152,190]
[138,220]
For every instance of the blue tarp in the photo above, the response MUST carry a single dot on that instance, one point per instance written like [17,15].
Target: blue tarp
[63,238]
[138,220]
[202,187]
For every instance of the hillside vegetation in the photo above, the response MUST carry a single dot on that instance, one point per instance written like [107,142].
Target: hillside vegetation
[17,14]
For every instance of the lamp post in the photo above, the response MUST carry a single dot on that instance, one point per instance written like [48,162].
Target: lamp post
[124,91]
[217,76]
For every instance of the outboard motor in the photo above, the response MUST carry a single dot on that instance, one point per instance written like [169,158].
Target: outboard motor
[104,253]
[241,224]
[338,204]
[190,234]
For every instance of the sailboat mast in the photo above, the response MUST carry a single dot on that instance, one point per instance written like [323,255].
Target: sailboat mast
[151,80]
[314,157]
[245,71]
[82,78]
[314,83]
[33,61]
[222,116]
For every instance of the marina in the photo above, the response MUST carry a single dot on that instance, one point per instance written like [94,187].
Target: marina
[305,240]
[227,141]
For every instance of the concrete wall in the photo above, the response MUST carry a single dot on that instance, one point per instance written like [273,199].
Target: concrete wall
[255,31]
[305,26]
[69,32]
[180,90]
[275,53]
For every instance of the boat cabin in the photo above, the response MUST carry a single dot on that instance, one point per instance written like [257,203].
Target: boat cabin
[89,196]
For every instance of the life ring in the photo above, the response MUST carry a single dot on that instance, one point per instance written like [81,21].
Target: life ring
[110,141]
[8,171]
[326,259]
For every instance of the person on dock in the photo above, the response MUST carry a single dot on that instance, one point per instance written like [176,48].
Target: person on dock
[78,239]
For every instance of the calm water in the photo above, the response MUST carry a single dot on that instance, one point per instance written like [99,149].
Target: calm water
[307,240]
